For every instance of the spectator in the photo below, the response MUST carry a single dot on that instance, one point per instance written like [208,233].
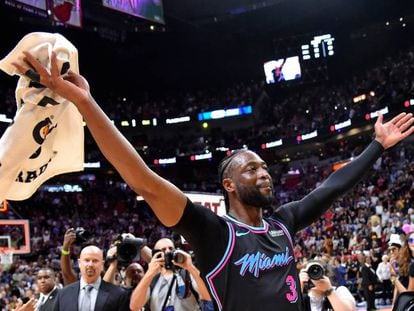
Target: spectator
[394,246]
[47,289]
[66,264]
[91,292]
[162,287]
[405,279]
[384,277]
[322,295]
[133,275]
[369,280]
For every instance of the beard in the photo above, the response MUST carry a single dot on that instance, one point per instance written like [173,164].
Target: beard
[253,197]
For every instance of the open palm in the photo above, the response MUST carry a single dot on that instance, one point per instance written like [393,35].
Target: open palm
[395,130]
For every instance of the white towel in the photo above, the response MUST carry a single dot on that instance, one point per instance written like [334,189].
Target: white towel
[46,136]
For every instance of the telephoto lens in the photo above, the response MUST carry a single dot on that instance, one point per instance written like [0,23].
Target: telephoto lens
[178,257]
[315,271]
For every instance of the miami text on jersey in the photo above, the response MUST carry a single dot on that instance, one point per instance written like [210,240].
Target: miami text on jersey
[254,263]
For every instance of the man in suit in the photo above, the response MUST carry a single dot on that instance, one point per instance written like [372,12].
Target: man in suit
[48,291]
[91,293]
[369,280]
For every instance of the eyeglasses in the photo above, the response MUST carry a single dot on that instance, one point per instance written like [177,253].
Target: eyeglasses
[410,240]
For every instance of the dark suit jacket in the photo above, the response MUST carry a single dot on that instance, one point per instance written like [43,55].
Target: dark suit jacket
[368,276]
[110,298]
[50,302]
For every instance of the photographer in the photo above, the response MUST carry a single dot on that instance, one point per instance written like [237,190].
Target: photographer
[164,288]
[319,294]
[130,250]
[66,265]
[73,237]
[133,272]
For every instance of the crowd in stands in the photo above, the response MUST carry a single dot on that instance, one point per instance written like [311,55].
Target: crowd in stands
[361,222]
[293,111]
[296,110]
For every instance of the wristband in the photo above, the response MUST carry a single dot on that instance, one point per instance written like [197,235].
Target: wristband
[328,292]
[111,258]
[64,251]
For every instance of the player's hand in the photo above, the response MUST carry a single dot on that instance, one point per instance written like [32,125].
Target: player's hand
[71,86]
[395,130]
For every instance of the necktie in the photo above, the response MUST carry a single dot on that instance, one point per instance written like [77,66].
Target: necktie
[86,301]
[41,302]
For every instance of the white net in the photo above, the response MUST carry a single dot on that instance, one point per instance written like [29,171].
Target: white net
[6,257]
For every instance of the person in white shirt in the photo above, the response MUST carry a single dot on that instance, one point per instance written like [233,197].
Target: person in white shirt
[384,277]
[319,294]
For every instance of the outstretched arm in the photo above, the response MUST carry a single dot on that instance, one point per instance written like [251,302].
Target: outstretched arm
[166,200]
[312,206]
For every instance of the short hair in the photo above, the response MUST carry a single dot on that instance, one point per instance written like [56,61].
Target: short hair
[51,271]
[224,168]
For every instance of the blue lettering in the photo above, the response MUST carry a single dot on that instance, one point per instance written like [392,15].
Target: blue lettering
[254,263]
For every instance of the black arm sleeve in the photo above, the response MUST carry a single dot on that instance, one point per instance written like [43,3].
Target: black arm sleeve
[207,233]
[300,214]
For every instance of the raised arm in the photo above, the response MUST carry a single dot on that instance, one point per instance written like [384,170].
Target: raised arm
[312,206]
[195,273]
[166,200]
[140,294]
[69,275]
[112,270]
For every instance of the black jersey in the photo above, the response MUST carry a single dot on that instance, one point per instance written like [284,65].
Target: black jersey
[259,261]
[253,268]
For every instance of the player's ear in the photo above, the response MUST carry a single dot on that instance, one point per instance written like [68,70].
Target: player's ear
[228,184]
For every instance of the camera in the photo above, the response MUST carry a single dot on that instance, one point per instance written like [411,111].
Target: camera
[128,249]
[315,271]
[82,236]
[170,256]
[177,256]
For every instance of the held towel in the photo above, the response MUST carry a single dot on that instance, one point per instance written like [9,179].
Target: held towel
[46,137]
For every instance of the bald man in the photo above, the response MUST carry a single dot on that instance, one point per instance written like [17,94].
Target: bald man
[91,293]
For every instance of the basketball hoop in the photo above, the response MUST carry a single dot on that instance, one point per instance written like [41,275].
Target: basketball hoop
[6,256]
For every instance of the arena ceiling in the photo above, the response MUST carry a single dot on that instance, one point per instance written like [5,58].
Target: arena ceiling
[235,36]
[282,12]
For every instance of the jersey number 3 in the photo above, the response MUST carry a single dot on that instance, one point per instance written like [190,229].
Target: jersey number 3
[293,295]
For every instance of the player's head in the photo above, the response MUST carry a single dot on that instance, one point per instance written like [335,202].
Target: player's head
[245,175]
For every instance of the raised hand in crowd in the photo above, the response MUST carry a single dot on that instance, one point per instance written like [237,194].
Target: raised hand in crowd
[66,264]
